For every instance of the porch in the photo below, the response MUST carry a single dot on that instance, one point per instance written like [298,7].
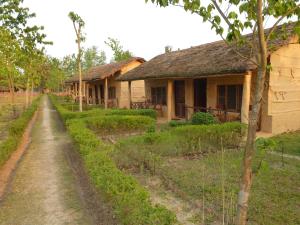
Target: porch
[227,97]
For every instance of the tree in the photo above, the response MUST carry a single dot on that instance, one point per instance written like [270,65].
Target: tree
[117,48]
[53,74]
[69,65]
[10,51]
[232,17]
[19,42]
[92,57]
[78,24]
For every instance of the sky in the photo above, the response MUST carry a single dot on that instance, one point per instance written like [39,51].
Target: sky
[143,29]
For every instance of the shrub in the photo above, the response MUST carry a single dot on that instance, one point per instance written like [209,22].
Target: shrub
[200,118]
[115,124]
[142,112]
[180,141]
[64,109]
[175,123]
[16,130]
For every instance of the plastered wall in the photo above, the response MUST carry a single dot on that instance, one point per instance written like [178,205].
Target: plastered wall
[137,88]
[283,110]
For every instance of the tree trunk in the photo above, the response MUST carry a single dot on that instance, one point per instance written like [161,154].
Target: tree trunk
[80,75]
[27,93]
[12,93]
[246,181]
[31,93]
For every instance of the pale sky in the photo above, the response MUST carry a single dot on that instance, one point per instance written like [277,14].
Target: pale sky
[144,29]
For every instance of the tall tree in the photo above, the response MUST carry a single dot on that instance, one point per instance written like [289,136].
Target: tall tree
[92,57]
[69,65]
[233,17]
[22,38]
[117,48]
[78,24]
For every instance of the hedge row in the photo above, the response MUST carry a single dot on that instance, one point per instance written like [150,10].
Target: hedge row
[130,200]
[16,130]
[118,124]
[147,150]
[59,101]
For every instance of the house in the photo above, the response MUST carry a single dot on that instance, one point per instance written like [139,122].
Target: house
[213,78]
[100,87]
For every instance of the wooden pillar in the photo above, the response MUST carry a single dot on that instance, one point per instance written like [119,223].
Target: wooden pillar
[105,93]
[87,94]
[94,94]
[189,97]
[83,90]
[76,91]
[246,98]
[129,94]
[99,95]
[170,100]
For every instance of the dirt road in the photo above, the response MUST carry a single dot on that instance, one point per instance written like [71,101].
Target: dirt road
[49,185]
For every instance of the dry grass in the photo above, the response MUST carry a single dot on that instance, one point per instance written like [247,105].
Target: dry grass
[6,111]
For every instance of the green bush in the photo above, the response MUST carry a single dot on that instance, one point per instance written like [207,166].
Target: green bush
[134,112]
[64,109]
[16,130]
[200,118]
[116,124]
[146,151]
[175,123]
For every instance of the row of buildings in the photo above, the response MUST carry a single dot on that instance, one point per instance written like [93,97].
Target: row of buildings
[210,78]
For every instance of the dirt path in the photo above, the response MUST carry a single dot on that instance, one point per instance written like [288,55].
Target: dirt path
[285,155]
[44,189]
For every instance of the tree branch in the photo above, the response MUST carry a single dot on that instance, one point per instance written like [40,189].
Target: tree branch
[221,13]
[279,20]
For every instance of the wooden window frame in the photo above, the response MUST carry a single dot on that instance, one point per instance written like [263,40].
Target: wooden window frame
[238,96]
[112,93]
[159,95]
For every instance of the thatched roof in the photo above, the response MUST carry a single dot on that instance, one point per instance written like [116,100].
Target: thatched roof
[103,71]
[211,59]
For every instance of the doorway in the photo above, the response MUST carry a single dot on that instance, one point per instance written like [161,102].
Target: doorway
[179,98]
[200,95]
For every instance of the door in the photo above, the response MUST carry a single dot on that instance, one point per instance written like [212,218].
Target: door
[179,98]
[200,94]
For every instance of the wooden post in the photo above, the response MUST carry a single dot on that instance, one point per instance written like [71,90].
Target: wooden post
[105,93]
[76,90]
[83,86]
[129,94]
[94,94]
[246,98]
[87,94]
[170,98]
[99,95]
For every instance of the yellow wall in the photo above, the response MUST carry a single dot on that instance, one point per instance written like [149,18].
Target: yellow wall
[137,88]
[283,110]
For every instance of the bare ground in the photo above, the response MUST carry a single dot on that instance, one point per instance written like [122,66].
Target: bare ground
[183,210]
[50,185]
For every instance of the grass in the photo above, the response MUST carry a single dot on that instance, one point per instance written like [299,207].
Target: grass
[290,142]
[6,112]
[275,193]
[129,199]
[187,160]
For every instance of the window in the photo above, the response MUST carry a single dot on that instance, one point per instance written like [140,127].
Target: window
[111,93]
[230,97]
[158,95]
